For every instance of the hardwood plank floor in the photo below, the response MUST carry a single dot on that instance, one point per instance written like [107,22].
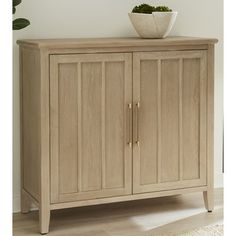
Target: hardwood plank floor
[162,215]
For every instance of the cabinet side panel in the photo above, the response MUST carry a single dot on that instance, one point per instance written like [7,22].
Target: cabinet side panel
[30,121]
[169,120]
[114,121]
[148,121]
[91,125]
[191,118]
[68,126]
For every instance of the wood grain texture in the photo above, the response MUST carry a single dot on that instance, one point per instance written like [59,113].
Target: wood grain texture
[148,133]
[30,124]
[115,124]
[54,130]
[191,117]
[171,88]
[180,118]
[25,202]
[44,202]
[35,133]
[79,111]
[125,49]
[68,125]
[113,42]
[89,128]
[169,120]
[209,195]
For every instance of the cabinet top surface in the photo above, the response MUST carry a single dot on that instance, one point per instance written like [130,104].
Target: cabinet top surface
[113,42]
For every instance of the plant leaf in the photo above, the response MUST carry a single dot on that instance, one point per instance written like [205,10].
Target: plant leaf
[20,23]
[13,10]
[16,2]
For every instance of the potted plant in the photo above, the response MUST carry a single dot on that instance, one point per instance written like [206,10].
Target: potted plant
[18,23]
[152,22]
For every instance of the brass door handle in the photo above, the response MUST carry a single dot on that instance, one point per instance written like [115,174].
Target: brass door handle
[130,124]
[137,123]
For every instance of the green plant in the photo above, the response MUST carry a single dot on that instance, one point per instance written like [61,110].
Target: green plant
[163,9]
[148,9]
[18,23]
[143,8]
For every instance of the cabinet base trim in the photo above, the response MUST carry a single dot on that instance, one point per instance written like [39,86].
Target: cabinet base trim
[126,198]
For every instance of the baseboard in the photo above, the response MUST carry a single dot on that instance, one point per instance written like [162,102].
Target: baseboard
[219,180]
[16,203]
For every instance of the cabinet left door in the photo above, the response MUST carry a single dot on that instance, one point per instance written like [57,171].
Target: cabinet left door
[90,126]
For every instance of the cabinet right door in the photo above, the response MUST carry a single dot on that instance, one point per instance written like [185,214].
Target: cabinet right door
[169,120]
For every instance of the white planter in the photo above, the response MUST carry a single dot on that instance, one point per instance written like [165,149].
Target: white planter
[155,25]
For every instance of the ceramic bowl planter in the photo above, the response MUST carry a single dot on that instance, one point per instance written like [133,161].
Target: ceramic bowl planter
[155,25]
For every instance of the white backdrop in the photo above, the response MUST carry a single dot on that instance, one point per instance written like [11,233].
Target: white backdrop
[108,18]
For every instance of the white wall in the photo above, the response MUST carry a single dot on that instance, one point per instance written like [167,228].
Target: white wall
[108,18]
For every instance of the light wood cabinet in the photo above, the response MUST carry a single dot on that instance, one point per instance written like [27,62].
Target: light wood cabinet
[89,126]
[111,120]
[170,95]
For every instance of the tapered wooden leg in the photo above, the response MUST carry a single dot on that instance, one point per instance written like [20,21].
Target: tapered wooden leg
[44,220]
[25,203]
[209,200]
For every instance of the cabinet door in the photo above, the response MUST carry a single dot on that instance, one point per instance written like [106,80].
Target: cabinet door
[169,120]
[90,126]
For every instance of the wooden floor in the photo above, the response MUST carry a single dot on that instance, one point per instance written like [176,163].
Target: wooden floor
[162,215]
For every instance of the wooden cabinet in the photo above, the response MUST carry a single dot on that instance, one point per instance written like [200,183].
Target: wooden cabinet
[170,95]
[111,120]
[89,126]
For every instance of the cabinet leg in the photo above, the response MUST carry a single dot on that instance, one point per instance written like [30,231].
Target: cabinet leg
[44,220]
[25,203]
[209,200]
